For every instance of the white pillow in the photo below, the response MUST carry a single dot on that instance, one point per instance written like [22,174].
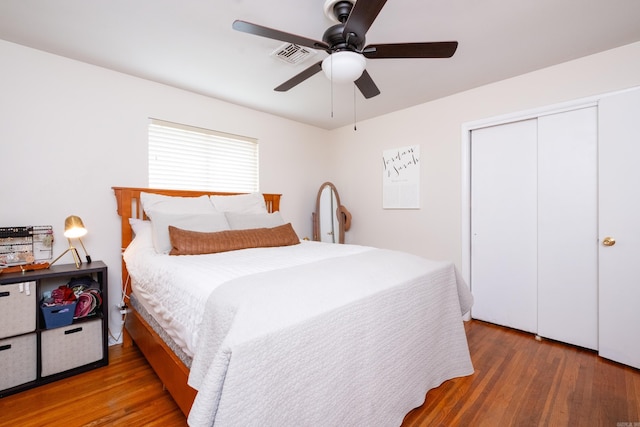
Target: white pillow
[245,221]
[173,204]
[139,225]
[142,233]
[203,222]
[252,203]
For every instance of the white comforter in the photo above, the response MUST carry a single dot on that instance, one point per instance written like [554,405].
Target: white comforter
[176,288]
[353,340]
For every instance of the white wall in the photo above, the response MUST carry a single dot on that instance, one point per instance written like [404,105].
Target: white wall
[434,230]
[70,131]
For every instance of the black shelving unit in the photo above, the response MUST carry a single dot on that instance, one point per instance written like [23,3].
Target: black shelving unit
[32,354]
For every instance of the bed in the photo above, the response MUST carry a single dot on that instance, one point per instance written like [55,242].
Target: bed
[284,332]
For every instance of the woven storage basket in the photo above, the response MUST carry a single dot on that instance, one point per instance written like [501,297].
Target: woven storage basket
[17,309]
[71,346]
[18,359]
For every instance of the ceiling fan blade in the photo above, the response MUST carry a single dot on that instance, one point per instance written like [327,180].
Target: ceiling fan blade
[270,33]
[299,78]
[411,50]
[362,15]
[367,86]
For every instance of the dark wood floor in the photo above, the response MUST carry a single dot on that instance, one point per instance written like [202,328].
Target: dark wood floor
[518,381]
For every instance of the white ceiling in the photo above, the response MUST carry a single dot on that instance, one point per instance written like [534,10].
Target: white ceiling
[190,44]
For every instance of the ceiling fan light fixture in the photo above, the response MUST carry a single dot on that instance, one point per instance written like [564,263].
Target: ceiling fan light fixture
[344,66]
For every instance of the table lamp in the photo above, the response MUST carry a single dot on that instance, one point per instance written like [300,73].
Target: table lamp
[74,229]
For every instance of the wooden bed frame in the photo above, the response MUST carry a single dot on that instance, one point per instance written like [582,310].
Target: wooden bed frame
[171,370]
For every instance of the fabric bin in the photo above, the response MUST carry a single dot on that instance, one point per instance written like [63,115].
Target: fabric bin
[71,346]
[17,309]
[56,316]
[18,359]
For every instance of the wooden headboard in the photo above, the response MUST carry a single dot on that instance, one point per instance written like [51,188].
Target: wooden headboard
[129,206]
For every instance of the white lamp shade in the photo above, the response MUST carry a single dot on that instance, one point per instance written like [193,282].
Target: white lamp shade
[344,66]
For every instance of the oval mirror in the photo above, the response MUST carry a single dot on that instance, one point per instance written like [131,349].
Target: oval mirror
[330,217]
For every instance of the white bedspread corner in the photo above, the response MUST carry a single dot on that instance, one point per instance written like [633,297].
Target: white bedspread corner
[352,340]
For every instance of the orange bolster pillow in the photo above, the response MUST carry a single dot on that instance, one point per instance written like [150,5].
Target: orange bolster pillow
[186,242]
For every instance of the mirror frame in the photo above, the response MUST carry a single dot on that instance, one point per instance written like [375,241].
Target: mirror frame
[338,214]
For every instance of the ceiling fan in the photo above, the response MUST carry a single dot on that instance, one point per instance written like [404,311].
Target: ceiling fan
[345,44]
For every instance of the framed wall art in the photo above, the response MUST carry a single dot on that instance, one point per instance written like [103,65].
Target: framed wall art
[401,178]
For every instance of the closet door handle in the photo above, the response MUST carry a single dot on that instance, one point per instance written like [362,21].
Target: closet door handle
[609,241]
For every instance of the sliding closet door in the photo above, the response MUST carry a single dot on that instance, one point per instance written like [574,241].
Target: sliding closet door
[568,227]
[619,188]
[503,224]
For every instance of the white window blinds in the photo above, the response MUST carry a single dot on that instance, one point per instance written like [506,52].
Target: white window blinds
[190,158]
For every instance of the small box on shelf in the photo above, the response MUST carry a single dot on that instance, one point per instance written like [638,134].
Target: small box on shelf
[56,316]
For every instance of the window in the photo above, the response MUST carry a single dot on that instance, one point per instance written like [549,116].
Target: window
[190,158]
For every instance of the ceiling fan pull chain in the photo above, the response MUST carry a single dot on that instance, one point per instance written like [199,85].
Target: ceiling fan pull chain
[331,85]
[332,100]
[355,121]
